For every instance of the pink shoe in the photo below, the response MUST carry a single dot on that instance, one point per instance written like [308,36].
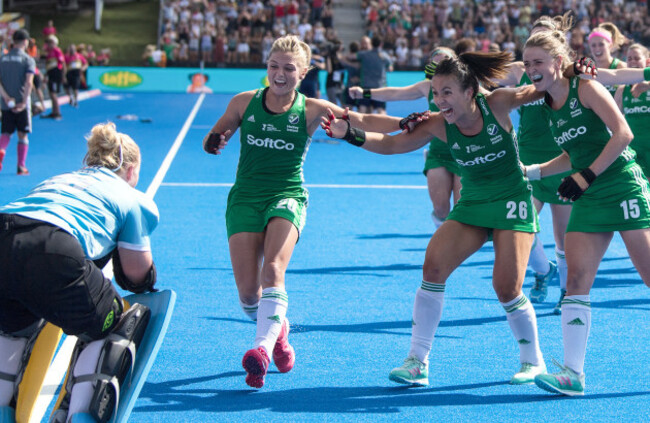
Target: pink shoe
[256,363]
[284,356]
[2,156]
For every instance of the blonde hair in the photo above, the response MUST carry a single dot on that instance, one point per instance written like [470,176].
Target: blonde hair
[110,149]
[618,39]
[292,44]
[561,23]
[441,50]
[554,43]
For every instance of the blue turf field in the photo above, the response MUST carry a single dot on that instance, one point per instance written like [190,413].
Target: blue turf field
[351,285]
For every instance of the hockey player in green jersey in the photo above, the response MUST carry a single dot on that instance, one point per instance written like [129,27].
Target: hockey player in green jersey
[608,190]
[267,205]
[495,202]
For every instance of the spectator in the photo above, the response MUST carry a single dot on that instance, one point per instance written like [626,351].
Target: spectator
[335,73]
[104,57]
[56,70]
[49,29]
[243,49]
[373,65]
[76,64]
[16,77]
[32,50]
[206,43]
[354,79]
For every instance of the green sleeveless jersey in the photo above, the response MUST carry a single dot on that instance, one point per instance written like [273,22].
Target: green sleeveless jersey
[581,133]
[273,150]
[612,88]
[637,114]
[489,161]
[536,144]
[439,154]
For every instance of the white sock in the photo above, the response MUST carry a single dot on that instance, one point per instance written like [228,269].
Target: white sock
[538,260]
[436,220]
[523,323]
[562,268]
[270,314]
[82,392]
[576,322]
[11,353]
[250,310]
[427,312]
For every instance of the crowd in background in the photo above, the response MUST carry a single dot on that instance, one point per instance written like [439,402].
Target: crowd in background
[411,29]
[229,33]
[234,33]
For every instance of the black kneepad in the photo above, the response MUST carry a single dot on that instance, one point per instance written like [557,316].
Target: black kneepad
[125,283]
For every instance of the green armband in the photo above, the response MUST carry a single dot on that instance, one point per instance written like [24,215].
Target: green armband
[355,136]
[367,93]
[646,74]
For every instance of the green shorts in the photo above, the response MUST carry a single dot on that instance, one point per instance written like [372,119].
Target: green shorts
[545,190]
[516,213]
[616,201]
[244,215]
[440,156]
[643,160]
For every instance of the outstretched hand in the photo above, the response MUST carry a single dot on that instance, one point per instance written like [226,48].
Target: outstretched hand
[585,66]
[214,142]
[355,92]
[335,127]
[409,123]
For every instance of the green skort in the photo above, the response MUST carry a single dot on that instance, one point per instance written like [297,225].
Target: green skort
[244,215]
[616,201]
[440,156]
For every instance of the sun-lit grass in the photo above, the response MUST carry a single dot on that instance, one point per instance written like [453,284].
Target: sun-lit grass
[126,29]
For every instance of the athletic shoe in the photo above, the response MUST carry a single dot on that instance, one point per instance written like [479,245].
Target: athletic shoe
[2,157]
[565,382]
[527,374]
[558,307]
[22,171]
[412,372]
[540,287]
[55,116]
[256,363]
[284,356]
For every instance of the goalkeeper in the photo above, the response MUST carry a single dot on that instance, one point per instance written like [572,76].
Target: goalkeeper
[53,244]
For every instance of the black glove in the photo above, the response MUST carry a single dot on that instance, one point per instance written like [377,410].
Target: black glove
[430,70]
[570,189]
[586,62]
[214,139]
[125,283]
[414,117]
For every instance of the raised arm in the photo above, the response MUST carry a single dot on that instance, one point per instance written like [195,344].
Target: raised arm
[318,108]
[387,144]
[625,76]
[411,92]
[503,100]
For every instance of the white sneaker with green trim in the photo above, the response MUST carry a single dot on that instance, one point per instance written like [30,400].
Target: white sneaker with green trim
[540,285]
[565,382]
[527,373]
[412,372]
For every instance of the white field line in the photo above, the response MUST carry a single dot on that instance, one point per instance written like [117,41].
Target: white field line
[335,186]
